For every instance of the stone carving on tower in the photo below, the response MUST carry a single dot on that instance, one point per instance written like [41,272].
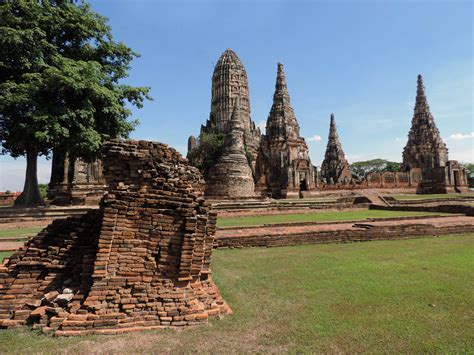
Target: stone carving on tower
[231,176]
[229,82]
[283,164]
[229,101]
[425,155]
[335,168]
[425,147]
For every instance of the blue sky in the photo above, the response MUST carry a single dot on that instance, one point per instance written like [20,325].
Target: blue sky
[358,59]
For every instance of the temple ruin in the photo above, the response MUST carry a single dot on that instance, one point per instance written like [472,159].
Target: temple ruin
[426,152]
[242,163]
[335,168]
[75,181]
[141,261]
[229,84]
[283,168]
[231,176]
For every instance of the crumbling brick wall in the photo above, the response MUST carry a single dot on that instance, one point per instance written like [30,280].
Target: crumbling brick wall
[140,262]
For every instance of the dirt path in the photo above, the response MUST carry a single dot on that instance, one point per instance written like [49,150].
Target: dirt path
[27,224]
[10,246]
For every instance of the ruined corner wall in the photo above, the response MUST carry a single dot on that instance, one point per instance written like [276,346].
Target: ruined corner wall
[139,262]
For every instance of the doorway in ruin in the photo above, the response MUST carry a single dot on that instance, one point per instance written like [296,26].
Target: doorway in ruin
[303,185]
[457,182]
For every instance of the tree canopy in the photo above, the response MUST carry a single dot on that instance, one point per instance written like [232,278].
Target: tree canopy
[362,168]
[60,81]
[208,150]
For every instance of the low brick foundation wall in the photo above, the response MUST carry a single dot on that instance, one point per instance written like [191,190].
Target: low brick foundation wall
[342,236]
[463,209]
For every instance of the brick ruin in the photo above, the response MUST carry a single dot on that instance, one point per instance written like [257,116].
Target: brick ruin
[425,151]
[277,163]
[335,168]
[280,165]
[283,168]
[142,261]
[231,176]
[75,181]
[229,85]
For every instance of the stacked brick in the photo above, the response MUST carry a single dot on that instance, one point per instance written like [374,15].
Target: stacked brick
[139,262]
[231,176]
[335,168]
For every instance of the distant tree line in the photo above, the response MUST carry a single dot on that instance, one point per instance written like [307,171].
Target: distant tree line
[361,169]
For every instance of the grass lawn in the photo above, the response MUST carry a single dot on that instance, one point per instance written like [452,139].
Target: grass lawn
[390,296]
[4,254]
[429,196]
[314,217]
[19,232]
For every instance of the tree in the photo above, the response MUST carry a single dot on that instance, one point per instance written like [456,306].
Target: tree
[362,168]
[470,173]
[208,150]
[60,73]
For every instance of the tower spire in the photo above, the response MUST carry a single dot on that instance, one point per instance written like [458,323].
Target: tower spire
[281,90]
[421,105]
[333,129]
[425,147]
[281,122]
[335,167]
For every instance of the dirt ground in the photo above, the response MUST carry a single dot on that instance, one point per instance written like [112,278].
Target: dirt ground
[26,224]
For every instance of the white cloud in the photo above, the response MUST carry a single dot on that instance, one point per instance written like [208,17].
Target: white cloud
[315,138]
[398,139]
[262,125]
[460,136]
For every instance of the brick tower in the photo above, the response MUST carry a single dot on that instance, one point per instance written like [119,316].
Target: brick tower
[335,168]
[283,165]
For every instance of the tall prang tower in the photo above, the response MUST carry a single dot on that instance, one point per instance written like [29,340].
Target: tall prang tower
[335,168]
[231,176]
[425,148]
[425,155]
[283,164]
[229,83]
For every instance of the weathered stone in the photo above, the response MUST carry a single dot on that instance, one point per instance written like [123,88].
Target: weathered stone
[230,102]
[231,176]
[75,181]
[124,271]
[335,168]
[426,152]
[63,299]
[283,164]
[229,83]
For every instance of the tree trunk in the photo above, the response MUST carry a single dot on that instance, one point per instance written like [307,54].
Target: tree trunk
[30,197]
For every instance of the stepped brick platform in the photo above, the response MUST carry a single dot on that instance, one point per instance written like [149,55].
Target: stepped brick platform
[141,261]
[363,230]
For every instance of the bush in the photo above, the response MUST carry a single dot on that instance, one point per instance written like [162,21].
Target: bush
[44,188]
[209,149]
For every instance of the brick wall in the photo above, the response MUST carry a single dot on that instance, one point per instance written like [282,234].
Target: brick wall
[141,261]
[341,236]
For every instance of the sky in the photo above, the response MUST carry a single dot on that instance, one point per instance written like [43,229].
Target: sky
[356,59]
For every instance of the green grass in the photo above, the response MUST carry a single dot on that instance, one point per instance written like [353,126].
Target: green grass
[410,296]
[19,232]
[4,254]
[429,196]
[314,217]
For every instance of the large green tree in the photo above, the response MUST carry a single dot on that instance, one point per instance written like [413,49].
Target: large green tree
[60,83]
